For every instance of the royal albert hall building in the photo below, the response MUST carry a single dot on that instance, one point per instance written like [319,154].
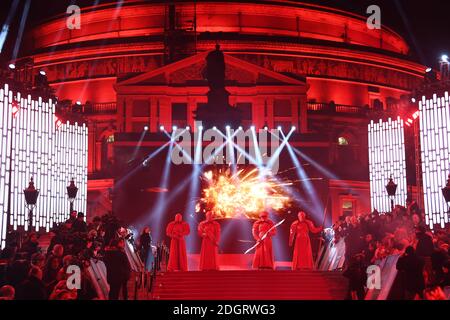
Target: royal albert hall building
[288,64]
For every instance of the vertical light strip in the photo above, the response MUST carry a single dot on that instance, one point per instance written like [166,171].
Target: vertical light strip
[386,141]
[434,141]
[5,156]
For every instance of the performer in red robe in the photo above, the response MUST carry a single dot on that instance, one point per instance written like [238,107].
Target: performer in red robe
[300,229]
[209,230]
[263,258]
[177,230]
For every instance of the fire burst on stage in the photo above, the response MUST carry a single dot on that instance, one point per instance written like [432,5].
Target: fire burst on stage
[242,194]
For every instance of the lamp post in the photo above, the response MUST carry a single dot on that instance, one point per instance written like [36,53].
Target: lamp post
[72,191]
[391,189]
[446,192]
[31,195]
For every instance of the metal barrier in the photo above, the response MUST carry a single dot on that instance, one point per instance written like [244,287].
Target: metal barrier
[389,272]
[332,256]
[97,272]
[159,264]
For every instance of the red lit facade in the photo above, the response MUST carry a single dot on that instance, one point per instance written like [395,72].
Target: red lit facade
[287,63]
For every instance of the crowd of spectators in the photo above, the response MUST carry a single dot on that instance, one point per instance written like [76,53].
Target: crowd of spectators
[29,273]
[423,265]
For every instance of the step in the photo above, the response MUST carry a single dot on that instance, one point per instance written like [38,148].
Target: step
[250,284]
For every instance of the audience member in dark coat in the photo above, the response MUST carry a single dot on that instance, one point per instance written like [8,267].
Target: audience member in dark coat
[79,225]
[119,269]
[353,240]
[32,288]
[31,246]
[145,245]
[357,276]
[72,218]
[411,267]
[425,246]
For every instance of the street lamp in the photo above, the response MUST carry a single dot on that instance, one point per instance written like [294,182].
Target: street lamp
[391,189]
[72,191]
[446,192]
[31,195]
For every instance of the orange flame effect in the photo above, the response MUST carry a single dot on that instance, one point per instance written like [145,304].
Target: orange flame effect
[242,194]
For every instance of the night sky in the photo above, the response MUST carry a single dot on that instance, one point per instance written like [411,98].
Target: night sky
[424,24]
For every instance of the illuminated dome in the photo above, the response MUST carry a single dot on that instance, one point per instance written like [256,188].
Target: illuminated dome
[298,38]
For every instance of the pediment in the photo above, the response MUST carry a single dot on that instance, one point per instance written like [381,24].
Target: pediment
[189,72]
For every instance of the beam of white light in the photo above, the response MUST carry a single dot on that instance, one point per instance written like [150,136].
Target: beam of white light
[230,151]
[145,163]
[327,173]
[194,189]
[309,188]
[243,152]
[6,25]
[138,146]
[290,191]
[23,21]
[160,206]
[174,137]
[275,156]
[187,181]
[256,147]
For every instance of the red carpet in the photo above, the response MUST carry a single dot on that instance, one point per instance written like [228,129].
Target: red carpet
[250,285]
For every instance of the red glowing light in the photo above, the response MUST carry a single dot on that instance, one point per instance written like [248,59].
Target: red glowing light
[58,123]
[15,108]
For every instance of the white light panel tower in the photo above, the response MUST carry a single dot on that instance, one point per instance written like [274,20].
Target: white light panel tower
[5,157]
[32,149]
[32,146]
[434,141]
[386,159]
[70,161]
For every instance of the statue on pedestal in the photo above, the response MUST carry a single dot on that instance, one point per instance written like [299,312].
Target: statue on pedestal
[217,112]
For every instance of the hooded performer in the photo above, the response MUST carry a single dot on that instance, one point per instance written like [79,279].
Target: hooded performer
[177,230]
[299,231]
[209,230]
[263,258]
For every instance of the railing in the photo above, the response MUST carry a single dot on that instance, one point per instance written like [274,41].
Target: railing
[336,108]
[159,265]
[100,108]
[331,257]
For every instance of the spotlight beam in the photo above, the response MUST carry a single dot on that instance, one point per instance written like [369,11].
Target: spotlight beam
[194,188]
[183,184]
[23,21]
[173,139]
[138,146]
[6,25]
[238,148]
[144,163]
[160,205]
[310,190]
[277,152]
[231,151]
[256,146]
[316,165]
